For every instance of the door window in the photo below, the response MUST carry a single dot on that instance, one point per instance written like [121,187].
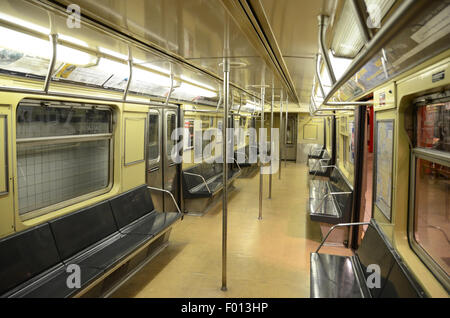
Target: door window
[153,138]
[171,125]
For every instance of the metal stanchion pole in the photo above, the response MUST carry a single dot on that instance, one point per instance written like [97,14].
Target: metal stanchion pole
[285,130]
[260,155]
[281,134]
[271,146]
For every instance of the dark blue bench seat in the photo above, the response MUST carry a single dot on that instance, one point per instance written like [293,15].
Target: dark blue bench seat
[330,201]
[206,179]
[244,152]
[334,276]
[95,238]
[320,167]
[316,152]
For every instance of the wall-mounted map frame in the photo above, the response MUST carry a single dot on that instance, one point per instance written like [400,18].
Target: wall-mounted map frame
[383,166]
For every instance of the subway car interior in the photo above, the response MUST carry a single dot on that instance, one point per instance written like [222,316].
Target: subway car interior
[233,149]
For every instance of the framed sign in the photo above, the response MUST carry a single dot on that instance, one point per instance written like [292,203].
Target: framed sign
[384,161]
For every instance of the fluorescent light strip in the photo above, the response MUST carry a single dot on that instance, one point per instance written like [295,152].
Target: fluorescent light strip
[73,40]
[35,46]
[113,53]
[185,78]
[24,23]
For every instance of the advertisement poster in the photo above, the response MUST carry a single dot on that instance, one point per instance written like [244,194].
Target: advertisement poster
[384,161]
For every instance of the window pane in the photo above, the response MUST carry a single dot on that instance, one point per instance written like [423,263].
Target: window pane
[290,131]
[171,125]
[153,137]
[49,174]
[189,124]
[432,211]
[433,126]
[43,121]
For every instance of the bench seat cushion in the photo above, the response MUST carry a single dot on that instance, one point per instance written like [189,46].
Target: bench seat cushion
[131,205]
[214,185]
[152,224]
[323,212]
[319,211]
[233,173]
[25,255]
[317,188]
[374,251]
[316,168]
[109,252]
[83,229]
[316,153]
[395,278]
[54,284]
[333,276]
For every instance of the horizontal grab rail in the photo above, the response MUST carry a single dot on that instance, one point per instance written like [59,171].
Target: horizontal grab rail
[61,139]
[388,31]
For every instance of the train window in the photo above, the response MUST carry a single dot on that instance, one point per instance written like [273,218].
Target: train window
[63,154]
[430,193]
[252,123]
[242,121]
[153,137]
[171,125]
[189,124]
[290,131]
[431,216]
[433,126]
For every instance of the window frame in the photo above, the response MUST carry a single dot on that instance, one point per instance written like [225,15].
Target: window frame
[442,158]
[67,139]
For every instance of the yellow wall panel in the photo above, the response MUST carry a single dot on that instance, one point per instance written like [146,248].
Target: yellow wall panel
[133,176]
[310,130]
[6,196]
[426,80]
[134,150]
[3,159]
[134,140]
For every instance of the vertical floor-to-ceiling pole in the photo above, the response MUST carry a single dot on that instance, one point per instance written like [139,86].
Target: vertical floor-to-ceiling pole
[226,81]
[281,134]
[271,145]
[285,131]
[226,101]
[262,147]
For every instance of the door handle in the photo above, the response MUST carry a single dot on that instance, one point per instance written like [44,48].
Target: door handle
[153,169]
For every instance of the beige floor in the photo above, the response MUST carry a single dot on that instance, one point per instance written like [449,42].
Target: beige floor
[267,258]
